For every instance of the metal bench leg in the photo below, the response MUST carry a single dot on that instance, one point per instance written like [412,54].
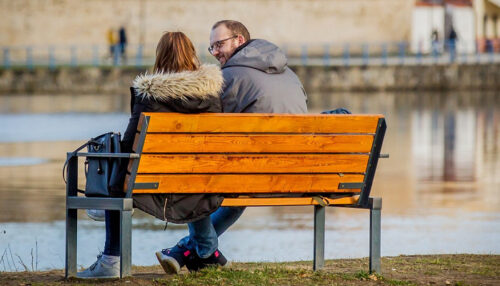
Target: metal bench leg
[71,218]
[71,236]
[375,211]
[125,243]
[319,237]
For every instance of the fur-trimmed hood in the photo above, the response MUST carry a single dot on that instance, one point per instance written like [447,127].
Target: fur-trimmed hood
[202,83]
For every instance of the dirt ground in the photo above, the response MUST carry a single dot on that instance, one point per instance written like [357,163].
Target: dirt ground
[460,269]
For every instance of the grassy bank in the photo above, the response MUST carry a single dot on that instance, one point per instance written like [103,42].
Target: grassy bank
[460,269]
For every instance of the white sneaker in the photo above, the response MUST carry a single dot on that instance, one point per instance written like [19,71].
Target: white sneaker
[101,269]
[97,215]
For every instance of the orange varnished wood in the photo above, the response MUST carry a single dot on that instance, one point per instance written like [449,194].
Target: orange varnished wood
[125,184]
[228,183]
[136,142]
[253,163]
[256,154]
[255,143]
[233,202]
[260,123]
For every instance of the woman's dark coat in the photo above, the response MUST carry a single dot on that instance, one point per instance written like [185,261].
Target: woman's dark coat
[186,92]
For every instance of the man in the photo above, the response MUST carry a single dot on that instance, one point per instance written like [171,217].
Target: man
[256,80]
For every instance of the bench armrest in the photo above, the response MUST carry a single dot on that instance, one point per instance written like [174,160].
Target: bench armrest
[107,155]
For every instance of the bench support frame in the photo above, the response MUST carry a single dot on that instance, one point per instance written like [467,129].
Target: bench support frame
[375,234]
[319,237]
[123,205]
[73,203]
[375,206]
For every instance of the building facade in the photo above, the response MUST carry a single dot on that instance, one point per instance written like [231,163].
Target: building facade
[488,24]
[440,25]
[68,22]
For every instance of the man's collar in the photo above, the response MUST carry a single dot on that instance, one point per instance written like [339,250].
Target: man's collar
[239,49]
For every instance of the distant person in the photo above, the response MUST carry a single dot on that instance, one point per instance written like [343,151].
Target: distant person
[256,80]
[112,42]
[123,42]
[179,84]
[452,41]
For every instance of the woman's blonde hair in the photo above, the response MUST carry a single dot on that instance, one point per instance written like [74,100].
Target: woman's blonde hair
[175,53]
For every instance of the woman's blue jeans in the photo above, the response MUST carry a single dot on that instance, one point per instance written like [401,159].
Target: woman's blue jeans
[203,233]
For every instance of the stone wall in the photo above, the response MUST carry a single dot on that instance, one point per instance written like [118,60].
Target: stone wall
[71,22]
[92,80]
[401,78]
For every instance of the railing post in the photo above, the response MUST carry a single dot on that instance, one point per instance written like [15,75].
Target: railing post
[384,54]
[52,59]
[491,52]
[435,52]
[6,57]
[29,57]
[304,55]
[365,54]
[138,60]
[451,50]
[201,53]
[116,55]
[326,55]
[419,55]
[285,50]
[74,60]
[478,52]
[402,52]
[319,237]
[464,55]
[95,55]
[346,54]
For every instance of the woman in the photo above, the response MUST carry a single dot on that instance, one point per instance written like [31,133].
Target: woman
[179,84]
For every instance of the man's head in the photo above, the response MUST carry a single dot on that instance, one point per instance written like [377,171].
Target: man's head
[226,36]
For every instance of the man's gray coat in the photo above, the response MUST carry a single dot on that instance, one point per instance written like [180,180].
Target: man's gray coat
[258,80]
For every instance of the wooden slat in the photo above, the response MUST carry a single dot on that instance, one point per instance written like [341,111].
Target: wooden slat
[228,183]
[253,163]
[234,143]
[233,202]
[260,123]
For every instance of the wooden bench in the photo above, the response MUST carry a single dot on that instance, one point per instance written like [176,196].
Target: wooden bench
[318,160]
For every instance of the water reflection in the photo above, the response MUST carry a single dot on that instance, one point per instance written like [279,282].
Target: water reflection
[444,148]
[442,180]
[444,144]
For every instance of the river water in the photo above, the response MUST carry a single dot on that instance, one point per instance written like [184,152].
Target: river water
[440,186]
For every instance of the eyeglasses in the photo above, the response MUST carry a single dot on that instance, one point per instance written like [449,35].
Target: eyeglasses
[217,45]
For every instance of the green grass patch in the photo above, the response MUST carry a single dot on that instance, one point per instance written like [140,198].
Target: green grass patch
[457,270]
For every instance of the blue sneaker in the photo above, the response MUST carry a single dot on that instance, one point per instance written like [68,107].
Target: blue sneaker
[215,260]
[173,259]
[99,215]
[102,268]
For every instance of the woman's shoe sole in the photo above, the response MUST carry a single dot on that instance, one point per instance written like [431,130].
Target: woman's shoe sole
[169,264]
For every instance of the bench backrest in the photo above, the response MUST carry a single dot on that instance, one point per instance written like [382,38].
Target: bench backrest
[256,153]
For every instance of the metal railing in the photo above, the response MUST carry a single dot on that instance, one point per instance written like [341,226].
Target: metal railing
[327,54]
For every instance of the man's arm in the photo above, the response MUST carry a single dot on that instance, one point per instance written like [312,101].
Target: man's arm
[237,96]
[229,93]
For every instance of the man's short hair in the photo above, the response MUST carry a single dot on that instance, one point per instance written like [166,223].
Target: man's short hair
[235,27]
